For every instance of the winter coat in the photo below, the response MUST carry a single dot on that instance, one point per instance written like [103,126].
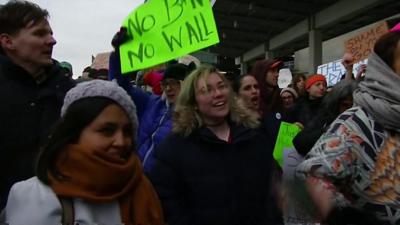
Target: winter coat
[358,156]
[28,109]
[34,203]
[154,125]
[306,138]
[154,115]
[271,122]
[202,180]
[304,110]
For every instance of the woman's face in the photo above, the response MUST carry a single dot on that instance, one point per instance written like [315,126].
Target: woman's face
[300,84]
[171,88]
[396,59]
[110,132]
[317,90]
[287,99]
[212,99]
[249,92]
[272,77]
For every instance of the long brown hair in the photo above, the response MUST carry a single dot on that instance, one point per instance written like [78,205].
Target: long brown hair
[270,100]
[296,79]
[386,46]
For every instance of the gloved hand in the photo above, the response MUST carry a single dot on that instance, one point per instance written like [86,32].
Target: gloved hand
[119,38]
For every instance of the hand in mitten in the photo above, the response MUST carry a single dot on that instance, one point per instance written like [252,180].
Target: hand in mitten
[119,38]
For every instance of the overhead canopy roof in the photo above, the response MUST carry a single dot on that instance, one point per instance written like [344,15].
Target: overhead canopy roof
[283,25]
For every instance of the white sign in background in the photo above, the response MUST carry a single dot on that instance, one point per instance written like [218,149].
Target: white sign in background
[334,71]
[284,78]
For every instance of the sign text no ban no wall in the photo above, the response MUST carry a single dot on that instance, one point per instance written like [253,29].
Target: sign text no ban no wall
[161,30]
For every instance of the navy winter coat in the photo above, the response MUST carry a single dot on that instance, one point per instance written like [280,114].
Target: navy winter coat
[27,111]
[202,180]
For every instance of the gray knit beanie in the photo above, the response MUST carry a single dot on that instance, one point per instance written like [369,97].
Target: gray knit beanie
[102,88]
[291,91]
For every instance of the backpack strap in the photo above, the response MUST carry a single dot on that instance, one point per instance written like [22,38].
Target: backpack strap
[67,210]
[3,216]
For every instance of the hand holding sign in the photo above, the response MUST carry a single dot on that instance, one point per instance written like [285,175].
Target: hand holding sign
[161,30]
[285,137]
[119,38]
[348,61]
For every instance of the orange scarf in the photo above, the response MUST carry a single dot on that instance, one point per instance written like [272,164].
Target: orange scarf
[99,177]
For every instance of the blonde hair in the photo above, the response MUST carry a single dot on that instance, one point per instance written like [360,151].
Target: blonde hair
[187,118]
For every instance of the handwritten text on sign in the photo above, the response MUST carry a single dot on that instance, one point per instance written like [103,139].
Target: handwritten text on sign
[162,30]
[362,44]
[287,132]
[333,71]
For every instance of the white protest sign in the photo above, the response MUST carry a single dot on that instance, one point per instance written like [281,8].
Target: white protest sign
[284,78]
[333,71]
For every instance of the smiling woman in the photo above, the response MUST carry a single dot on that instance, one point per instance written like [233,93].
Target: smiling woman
[88,160]
[215,167]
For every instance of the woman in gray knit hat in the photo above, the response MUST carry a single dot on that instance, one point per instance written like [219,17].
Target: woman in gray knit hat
[88,172]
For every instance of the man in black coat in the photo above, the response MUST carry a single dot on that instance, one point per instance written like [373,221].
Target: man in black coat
[32,89]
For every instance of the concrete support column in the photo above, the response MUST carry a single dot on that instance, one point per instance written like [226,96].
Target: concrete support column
[269,54]
[242,63]
[315,43]
[243,68]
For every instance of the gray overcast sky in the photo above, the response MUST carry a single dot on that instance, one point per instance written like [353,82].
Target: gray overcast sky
[84,27]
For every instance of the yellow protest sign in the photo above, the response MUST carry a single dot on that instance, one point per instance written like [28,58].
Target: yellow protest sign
[161,30]
[287,132]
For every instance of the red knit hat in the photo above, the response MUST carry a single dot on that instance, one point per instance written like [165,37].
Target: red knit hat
[313,79]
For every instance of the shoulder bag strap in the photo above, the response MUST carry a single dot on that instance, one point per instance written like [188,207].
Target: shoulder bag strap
[67,210]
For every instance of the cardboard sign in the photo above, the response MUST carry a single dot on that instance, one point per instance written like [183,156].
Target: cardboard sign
[287,132]
[362,44]
[334,71]
[161,30]
[101,61]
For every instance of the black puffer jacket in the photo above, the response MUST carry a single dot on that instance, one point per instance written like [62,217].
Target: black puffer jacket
[304,110]
[27,111]
[202,180]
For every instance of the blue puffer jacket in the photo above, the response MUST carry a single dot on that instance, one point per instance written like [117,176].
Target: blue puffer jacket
[154,114]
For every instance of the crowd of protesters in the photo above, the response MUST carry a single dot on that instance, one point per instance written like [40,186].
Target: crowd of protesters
[198,148]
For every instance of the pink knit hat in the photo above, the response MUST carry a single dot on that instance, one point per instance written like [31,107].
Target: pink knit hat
[396,28]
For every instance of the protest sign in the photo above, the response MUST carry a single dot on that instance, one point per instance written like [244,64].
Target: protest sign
[101,61]
[361,45]
[333,71]
[284,78]
[287,132]
[161,30]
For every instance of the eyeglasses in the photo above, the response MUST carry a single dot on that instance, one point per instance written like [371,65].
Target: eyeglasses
[171,83]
